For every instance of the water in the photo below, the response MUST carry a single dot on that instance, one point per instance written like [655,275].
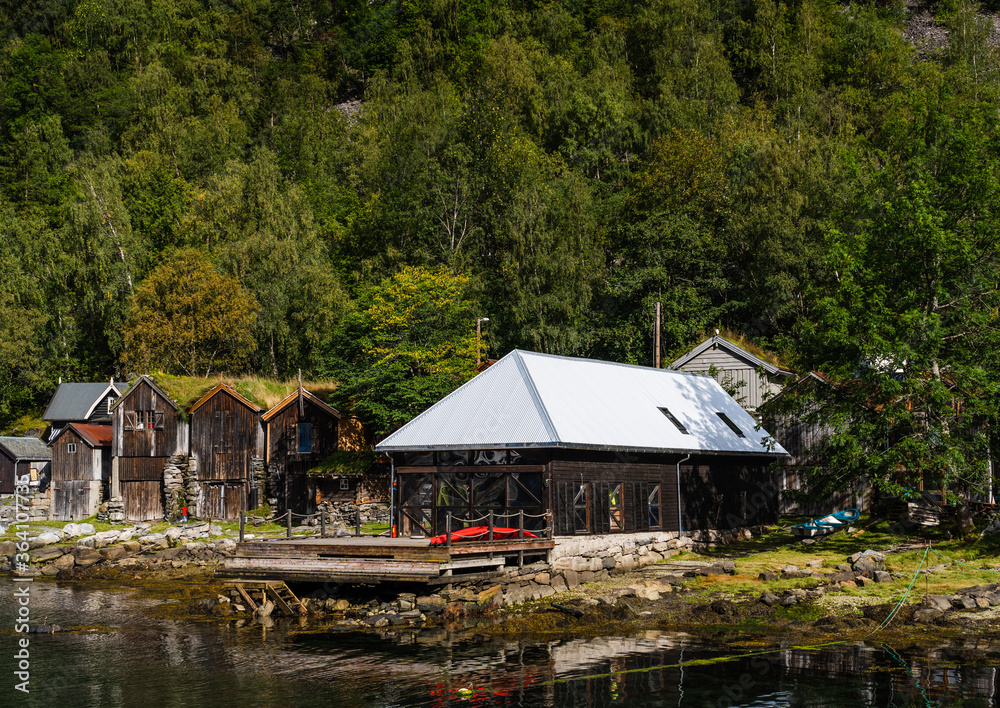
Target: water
[129,657]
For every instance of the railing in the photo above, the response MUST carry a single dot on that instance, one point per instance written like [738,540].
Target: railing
[490,519]
[323,514]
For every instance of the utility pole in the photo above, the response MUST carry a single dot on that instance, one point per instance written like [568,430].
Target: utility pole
[479,339]
[656,338]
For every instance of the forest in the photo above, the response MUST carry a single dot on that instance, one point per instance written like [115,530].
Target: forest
[344,188]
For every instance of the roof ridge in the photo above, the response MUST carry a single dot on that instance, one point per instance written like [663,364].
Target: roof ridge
[550,427]
[673,372]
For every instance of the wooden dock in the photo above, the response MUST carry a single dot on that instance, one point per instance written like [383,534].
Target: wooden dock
[376,559]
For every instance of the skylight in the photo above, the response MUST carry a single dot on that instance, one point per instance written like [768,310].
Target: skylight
[731,424]
[673,419]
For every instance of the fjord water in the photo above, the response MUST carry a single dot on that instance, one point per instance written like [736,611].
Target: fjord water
[124,655]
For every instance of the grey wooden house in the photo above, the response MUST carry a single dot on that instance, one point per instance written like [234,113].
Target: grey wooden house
[603,448]
[24,457]
[81,470]
[81,403]
[227,444]
[147,429]
[302,431]
[752,379]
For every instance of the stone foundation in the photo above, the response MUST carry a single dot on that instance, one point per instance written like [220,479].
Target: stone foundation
[180,485]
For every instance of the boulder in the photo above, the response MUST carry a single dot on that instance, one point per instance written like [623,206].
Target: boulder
[572,578]
[937,602]
[926,616]
[867,562]
[65,561]
[44,539]
[963,602]
[46,554]
[86,529]
[71,531]
[114,553]
[767,576]
[882,577]
[431,603]
[264,610]
[770,599]
[86,556]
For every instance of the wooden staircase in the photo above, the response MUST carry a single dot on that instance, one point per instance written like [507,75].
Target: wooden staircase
[256,592]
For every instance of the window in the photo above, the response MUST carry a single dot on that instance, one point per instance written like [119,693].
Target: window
[70,447]
[303,438]
[673,419]
[731,424]
[655,511]
[111,401]
[581,508]
[616,510]
[143,420]
[345,484]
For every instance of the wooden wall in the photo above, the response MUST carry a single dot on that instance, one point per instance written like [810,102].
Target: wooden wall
[6,474]
[752,387]
[225,436]
[84,464]
[143,500]
[74,500]
[281,435]
[165,437]
[222,500]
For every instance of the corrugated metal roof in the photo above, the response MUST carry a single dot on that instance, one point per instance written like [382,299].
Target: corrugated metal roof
[529,400]
[76,401]
[26,448]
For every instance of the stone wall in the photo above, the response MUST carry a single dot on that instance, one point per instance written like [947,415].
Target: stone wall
[583,559]
[180,485]
[258,480]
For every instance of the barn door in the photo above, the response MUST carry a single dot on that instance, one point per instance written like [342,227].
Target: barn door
[222,500]
[70,500]
[143,500]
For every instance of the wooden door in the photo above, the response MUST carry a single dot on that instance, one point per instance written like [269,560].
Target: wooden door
[143,500]
[222,500]
[71,500]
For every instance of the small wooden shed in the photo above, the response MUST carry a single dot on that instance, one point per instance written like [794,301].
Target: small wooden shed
[302,431]
[81,470]
[147,429]
[751,378]
[227,437]
[23,457]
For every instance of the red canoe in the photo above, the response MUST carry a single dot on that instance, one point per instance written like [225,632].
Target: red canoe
[478,533]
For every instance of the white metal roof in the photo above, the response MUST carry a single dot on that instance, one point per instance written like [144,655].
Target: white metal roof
[539,400]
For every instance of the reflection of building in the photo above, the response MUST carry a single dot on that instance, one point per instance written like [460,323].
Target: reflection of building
[599,445]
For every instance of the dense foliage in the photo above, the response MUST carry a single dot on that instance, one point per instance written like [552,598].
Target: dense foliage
[799,172]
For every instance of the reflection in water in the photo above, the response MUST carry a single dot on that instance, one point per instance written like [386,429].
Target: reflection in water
[149,662]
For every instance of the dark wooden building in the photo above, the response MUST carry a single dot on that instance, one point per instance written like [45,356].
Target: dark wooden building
[600,446]
[227,437]
[24,457]
[147,429]
[81,470]
[302,432]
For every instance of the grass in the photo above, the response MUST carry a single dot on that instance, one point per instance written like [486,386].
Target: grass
[779,548]
[186,390]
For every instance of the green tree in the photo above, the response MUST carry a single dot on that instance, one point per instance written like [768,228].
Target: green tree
[187,318]
[412,344]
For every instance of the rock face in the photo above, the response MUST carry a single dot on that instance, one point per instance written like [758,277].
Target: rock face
[868,562]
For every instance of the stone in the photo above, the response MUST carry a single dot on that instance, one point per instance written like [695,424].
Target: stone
[926,616]
[490,598]
[264,610]
[770,599]
[87,542]
[86,529]
[647,593]
[65,561]
[843,567]
[963,602]
[840,577]
[114,553]
[558,584]
[937,602]
[543,578]
[8,548]
[44,539]
[814,564]
[71,531]
[862,581]
[572,578]
[790,601]
[453,612]
[882,577]
[431,603]
[608,563]
[587,576]
[49,570]
[47,554]
[341,605]
[86,556]
[982,603]
[767,576]
[848,584]
[406,601]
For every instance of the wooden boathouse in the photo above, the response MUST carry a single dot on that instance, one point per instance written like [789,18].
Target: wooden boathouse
[23,457]
[607,448]
[81,470]
[227,435]
[147,428]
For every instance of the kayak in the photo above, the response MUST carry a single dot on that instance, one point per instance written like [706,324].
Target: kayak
[478,533]
[827,524]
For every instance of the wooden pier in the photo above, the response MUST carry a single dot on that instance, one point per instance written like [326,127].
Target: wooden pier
[376,559]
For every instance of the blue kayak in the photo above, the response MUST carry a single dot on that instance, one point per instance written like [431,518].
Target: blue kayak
[827,524]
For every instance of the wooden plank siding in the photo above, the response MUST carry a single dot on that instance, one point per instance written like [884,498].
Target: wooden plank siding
[637,480]
[85,463]
[6,474]
[725,493]
[282,429]
[222,500]
[225,436]
[143,500]
[136,435]
[141,469]
[734,372]
[73,500]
